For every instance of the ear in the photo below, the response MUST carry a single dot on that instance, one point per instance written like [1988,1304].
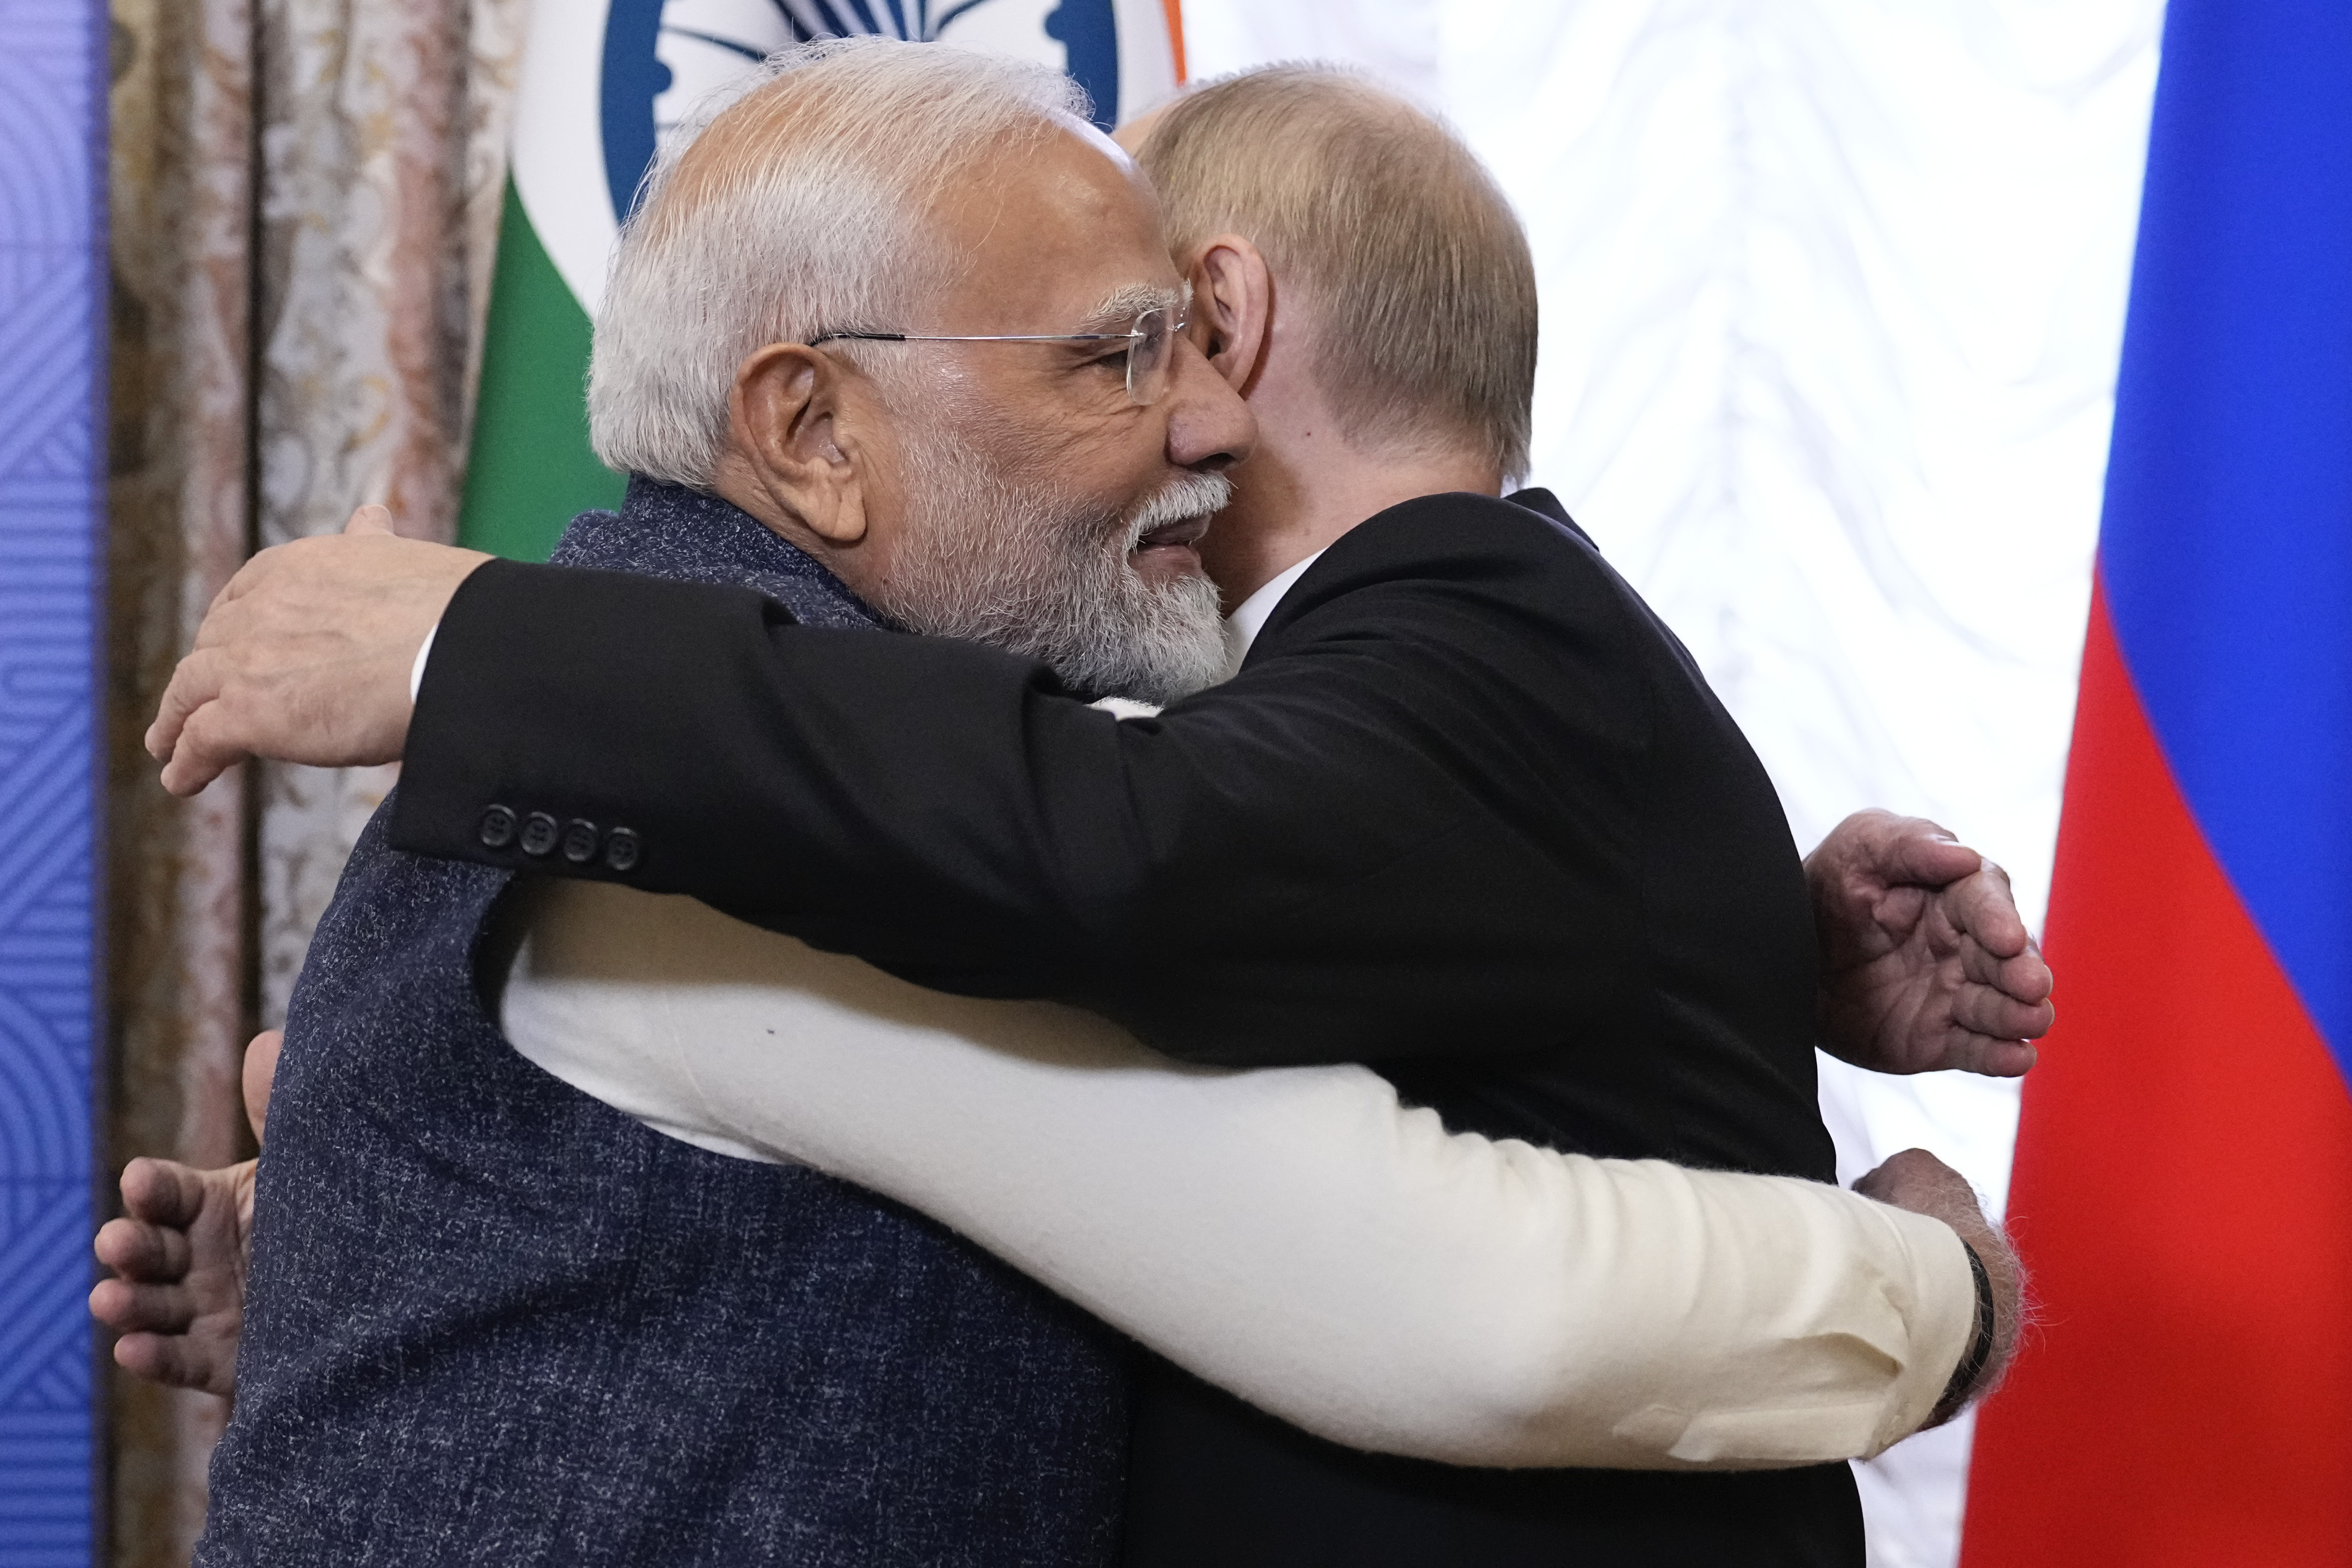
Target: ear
[1233,308]
[798,421]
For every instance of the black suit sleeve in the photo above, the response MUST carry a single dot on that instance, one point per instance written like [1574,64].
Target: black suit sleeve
[1347,852]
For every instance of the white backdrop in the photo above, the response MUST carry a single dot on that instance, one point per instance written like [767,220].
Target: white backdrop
[1833,292]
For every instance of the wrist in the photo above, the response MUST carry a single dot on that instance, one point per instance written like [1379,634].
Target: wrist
[1977,1356]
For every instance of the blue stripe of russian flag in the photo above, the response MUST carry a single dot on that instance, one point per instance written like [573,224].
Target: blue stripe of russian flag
[2226,545]
[2183,1185]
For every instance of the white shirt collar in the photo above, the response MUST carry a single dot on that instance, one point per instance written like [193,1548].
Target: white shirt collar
[1250,616]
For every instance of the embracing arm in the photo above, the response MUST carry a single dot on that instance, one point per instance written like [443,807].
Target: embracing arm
[1311,1245]
[817,781]
[1271,871]
[946,812]
[1013,841]
[1294,1236]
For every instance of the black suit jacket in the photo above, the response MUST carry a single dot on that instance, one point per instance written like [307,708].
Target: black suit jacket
[1469,813]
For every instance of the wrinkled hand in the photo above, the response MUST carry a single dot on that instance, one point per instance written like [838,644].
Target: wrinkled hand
[179,1258]
[1917,1181]
[1926,964]
[305,655]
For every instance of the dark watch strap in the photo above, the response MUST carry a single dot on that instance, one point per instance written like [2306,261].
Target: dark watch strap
[1972,1365]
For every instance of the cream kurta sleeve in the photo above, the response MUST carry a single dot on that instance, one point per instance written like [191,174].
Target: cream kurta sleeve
[1292,1235]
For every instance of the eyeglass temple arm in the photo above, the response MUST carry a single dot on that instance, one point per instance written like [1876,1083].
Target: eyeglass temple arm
[975,337]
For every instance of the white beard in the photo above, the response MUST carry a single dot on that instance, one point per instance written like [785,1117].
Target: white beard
[1035,575]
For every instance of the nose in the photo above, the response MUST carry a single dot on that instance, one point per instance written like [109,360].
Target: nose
[1209,428]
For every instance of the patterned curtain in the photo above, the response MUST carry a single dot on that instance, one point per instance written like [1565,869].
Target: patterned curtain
[305,204]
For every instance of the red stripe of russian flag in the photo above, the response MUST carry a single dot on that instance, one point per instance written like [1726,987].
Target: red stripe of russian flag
[2183,1194]
[2183,1186]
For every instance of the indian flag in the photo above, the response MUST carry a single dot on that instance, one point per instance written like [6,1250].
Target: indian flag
[602,79]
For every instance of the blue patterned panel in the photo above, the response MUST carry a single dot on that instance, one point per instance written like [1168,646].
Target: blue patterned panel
[51,137]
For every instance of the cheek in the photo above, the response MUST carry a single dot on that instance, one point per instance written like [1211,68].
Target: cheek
[1106,466]
[1097,457]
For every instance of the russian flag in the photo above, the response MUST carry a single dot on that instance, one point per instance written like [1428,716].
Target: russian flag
[2183,1186]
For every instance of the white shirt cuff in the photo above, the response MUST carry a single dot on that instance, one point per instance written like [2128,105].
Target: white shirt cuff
[417,670]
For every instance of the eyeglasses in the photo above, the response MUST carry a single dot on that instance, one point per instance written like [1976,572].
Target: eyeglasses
[1148,341]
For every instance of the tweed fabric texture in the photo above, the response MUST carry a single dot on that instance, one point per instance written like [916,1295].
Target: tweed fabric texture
[491,1320]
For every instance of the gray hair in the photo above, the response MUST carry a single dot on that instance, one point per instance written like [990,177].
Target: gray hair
[813,223]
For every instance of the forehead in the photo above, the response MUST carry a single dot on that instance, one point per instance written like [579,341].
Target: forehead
[1049,233]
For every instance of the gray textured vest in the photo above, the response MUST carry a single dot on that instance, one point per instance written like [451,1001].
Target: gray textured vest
[493,1321]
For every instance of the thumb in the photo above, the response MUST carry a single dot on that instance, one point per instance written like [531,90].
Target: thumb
[260,1072]
[1929,858]
[370,519]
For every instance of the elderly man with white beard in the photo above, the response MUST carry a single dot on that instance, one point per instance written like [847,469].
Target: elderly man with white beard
[1295,1236]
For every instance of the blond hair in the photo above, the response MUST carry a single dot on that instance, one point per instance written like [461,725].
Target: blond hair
[1423,293]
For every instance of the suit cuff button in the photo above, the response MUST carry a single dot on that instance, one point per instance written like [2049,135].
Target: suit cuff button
[580,841]
[496,829]
[621,850]
[538,833]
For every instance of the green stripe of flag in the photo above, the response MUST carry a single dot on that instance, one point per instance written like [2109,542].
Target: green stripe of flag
[531,467]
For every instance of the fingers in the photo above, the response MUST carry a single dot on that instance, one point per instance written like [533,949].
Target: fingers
[196,682]
[144,1355]
[199,679]
[134,1309]
[261,1072]
[2024,976]
[1886,1181]
[163,1192]
[1910,849]
[2006,1059]
[143,1253]
[370,519]
[1917,1181]
[154,1323]
[1984,908]
[179,1361]
[1989,1010]
[209,743]
[1991,1024]
[1921,853]
[1898,908]
[2028,977]
[175,1311]
[195,734]
[2008,1021]
[1988,1057]
[1874,1184]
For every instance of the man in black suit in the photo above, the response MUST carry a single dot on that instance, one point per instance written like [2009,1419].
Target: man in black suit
[1467,812]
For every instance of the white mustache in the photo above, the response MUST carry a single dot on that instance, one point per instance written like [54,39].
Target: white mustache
[1181,500]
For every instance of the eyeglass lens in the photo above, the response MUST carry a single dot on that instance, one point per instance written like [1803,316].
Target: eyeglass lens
[1148,356]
